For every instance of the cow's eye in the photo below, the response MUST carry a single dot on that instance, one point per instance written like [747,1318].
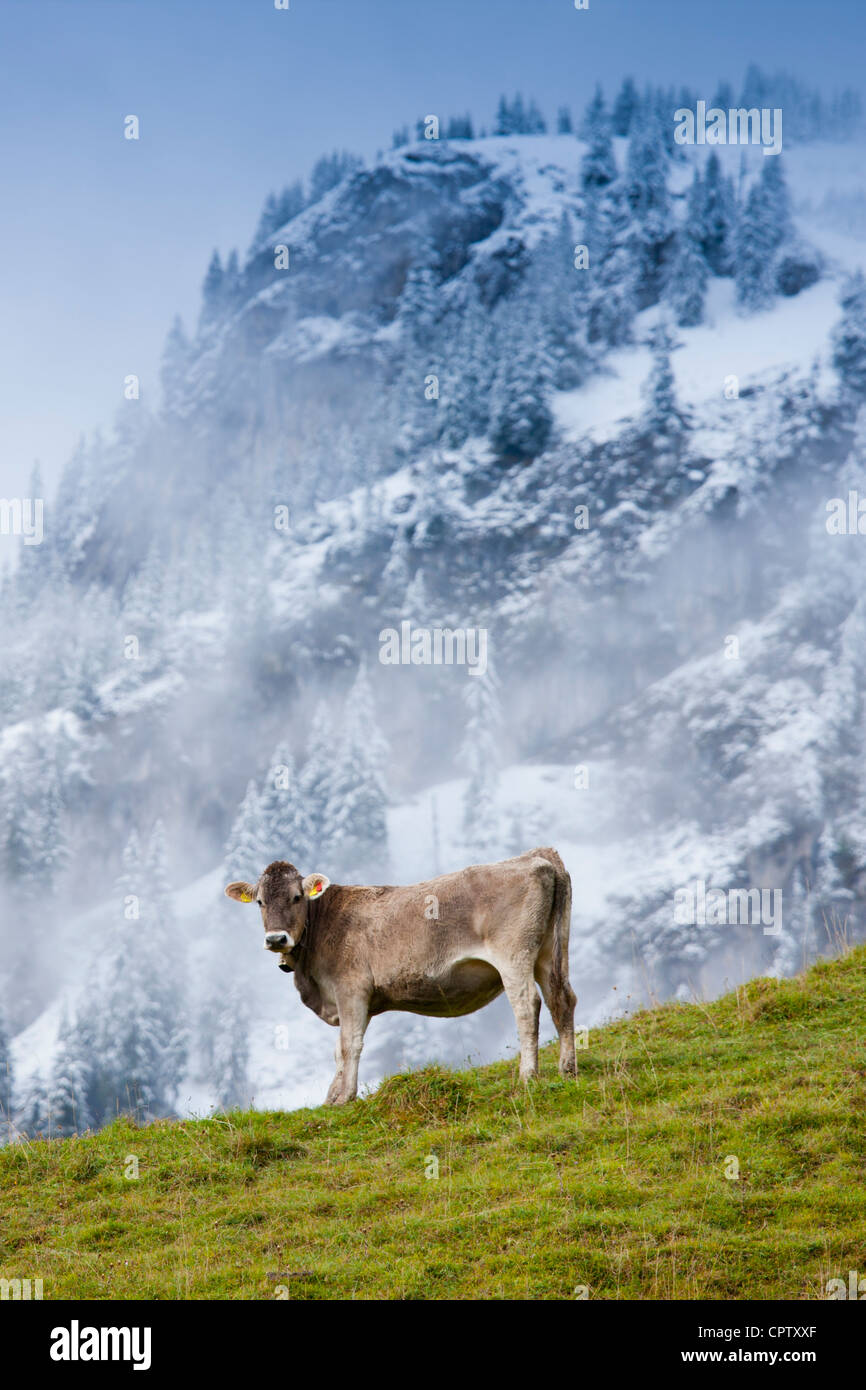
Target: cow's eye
[297,898]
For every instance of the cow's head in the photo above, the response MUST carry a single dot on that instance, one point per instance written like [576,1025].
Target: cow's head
[282,894]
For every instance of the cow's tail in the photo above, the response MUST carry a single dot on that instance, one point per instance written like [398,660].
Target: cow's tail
[561,913]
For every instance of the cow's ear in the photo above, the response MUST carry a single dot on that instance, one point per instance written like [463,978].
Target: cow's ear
[314,885]
[241,892]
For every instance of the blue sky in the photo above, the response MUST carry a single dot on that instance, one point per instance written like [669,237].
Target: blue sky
[103,239]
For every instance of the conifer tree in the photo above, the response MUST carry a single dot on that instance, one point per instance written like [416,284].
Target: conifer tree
[713,217]
[166,952]
[595,118]
[663,418]
[229,1048]
[687,280]
[647,195]
[175,361]
[285,822]
[7,1076]
[518,116]
[34,560]
[316,782]
[465,399]
[77,502]
[358,795]
[419,303]
[598,167]
[460,128]
[503,122]
[212,290]
[480,760]
[144,604]
[625,107]
[330,170]
[288,205]
[233,279]
[246,847]
[71,1083]
[849,339]
[756,242]
[268,220]
[398,569]
[416,604]
[138,1043]
[612,272]
[521,419]
[558,292]
[535,122]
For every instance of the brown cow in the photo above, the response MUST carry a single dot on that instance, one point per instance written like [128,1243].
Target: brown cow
[444,948]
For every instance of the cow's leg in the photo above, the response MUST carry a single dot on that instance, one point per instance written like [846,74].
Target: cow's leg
[524,1000]
[336,1085]
[354,1017]
[560,1000]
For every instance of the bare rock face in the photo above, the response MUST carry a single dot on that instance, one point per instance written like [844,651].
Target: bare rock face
[351,252]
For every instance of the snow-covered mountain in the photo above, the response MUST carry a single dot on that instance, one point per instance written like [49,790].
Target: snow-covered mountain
[592,396]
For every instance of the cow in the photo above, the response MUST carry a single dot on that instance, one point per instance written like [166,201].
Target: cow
[443,948]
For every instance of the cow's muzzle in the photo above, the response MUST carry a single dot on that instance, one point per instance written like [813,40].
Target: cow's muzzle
[276,940]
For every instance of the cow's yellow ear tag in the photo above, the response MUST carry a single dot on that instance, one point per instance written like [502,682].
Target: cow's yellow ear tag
[317,888]
[246,897]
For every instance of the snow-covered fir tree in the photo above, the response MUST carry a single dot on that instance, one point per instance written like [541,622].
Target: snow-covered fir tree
[358,789]
[71,1084]
[419,303]
[849,338]
[557,290]
[246,850]
[212,291]
[176,356]
[598,167]
[7,1076]
[663,419]
[316,778]
[229,1026]
[34,561]
[464,405]
[460,128]
[140,1037]
[330,170]
[686,287]
[625,107]
[712,217]
[595,118]
[521,419]
[613,269]
[166,949]
[646,191]
[764,226]
[283,813]
[480,762]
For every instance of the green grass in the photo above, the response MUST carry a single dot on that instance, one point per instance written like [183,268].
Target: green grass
[616,1182]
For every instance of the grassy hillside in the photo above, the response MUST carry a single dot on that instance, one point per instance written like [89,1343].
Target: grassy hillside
[617,1182]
